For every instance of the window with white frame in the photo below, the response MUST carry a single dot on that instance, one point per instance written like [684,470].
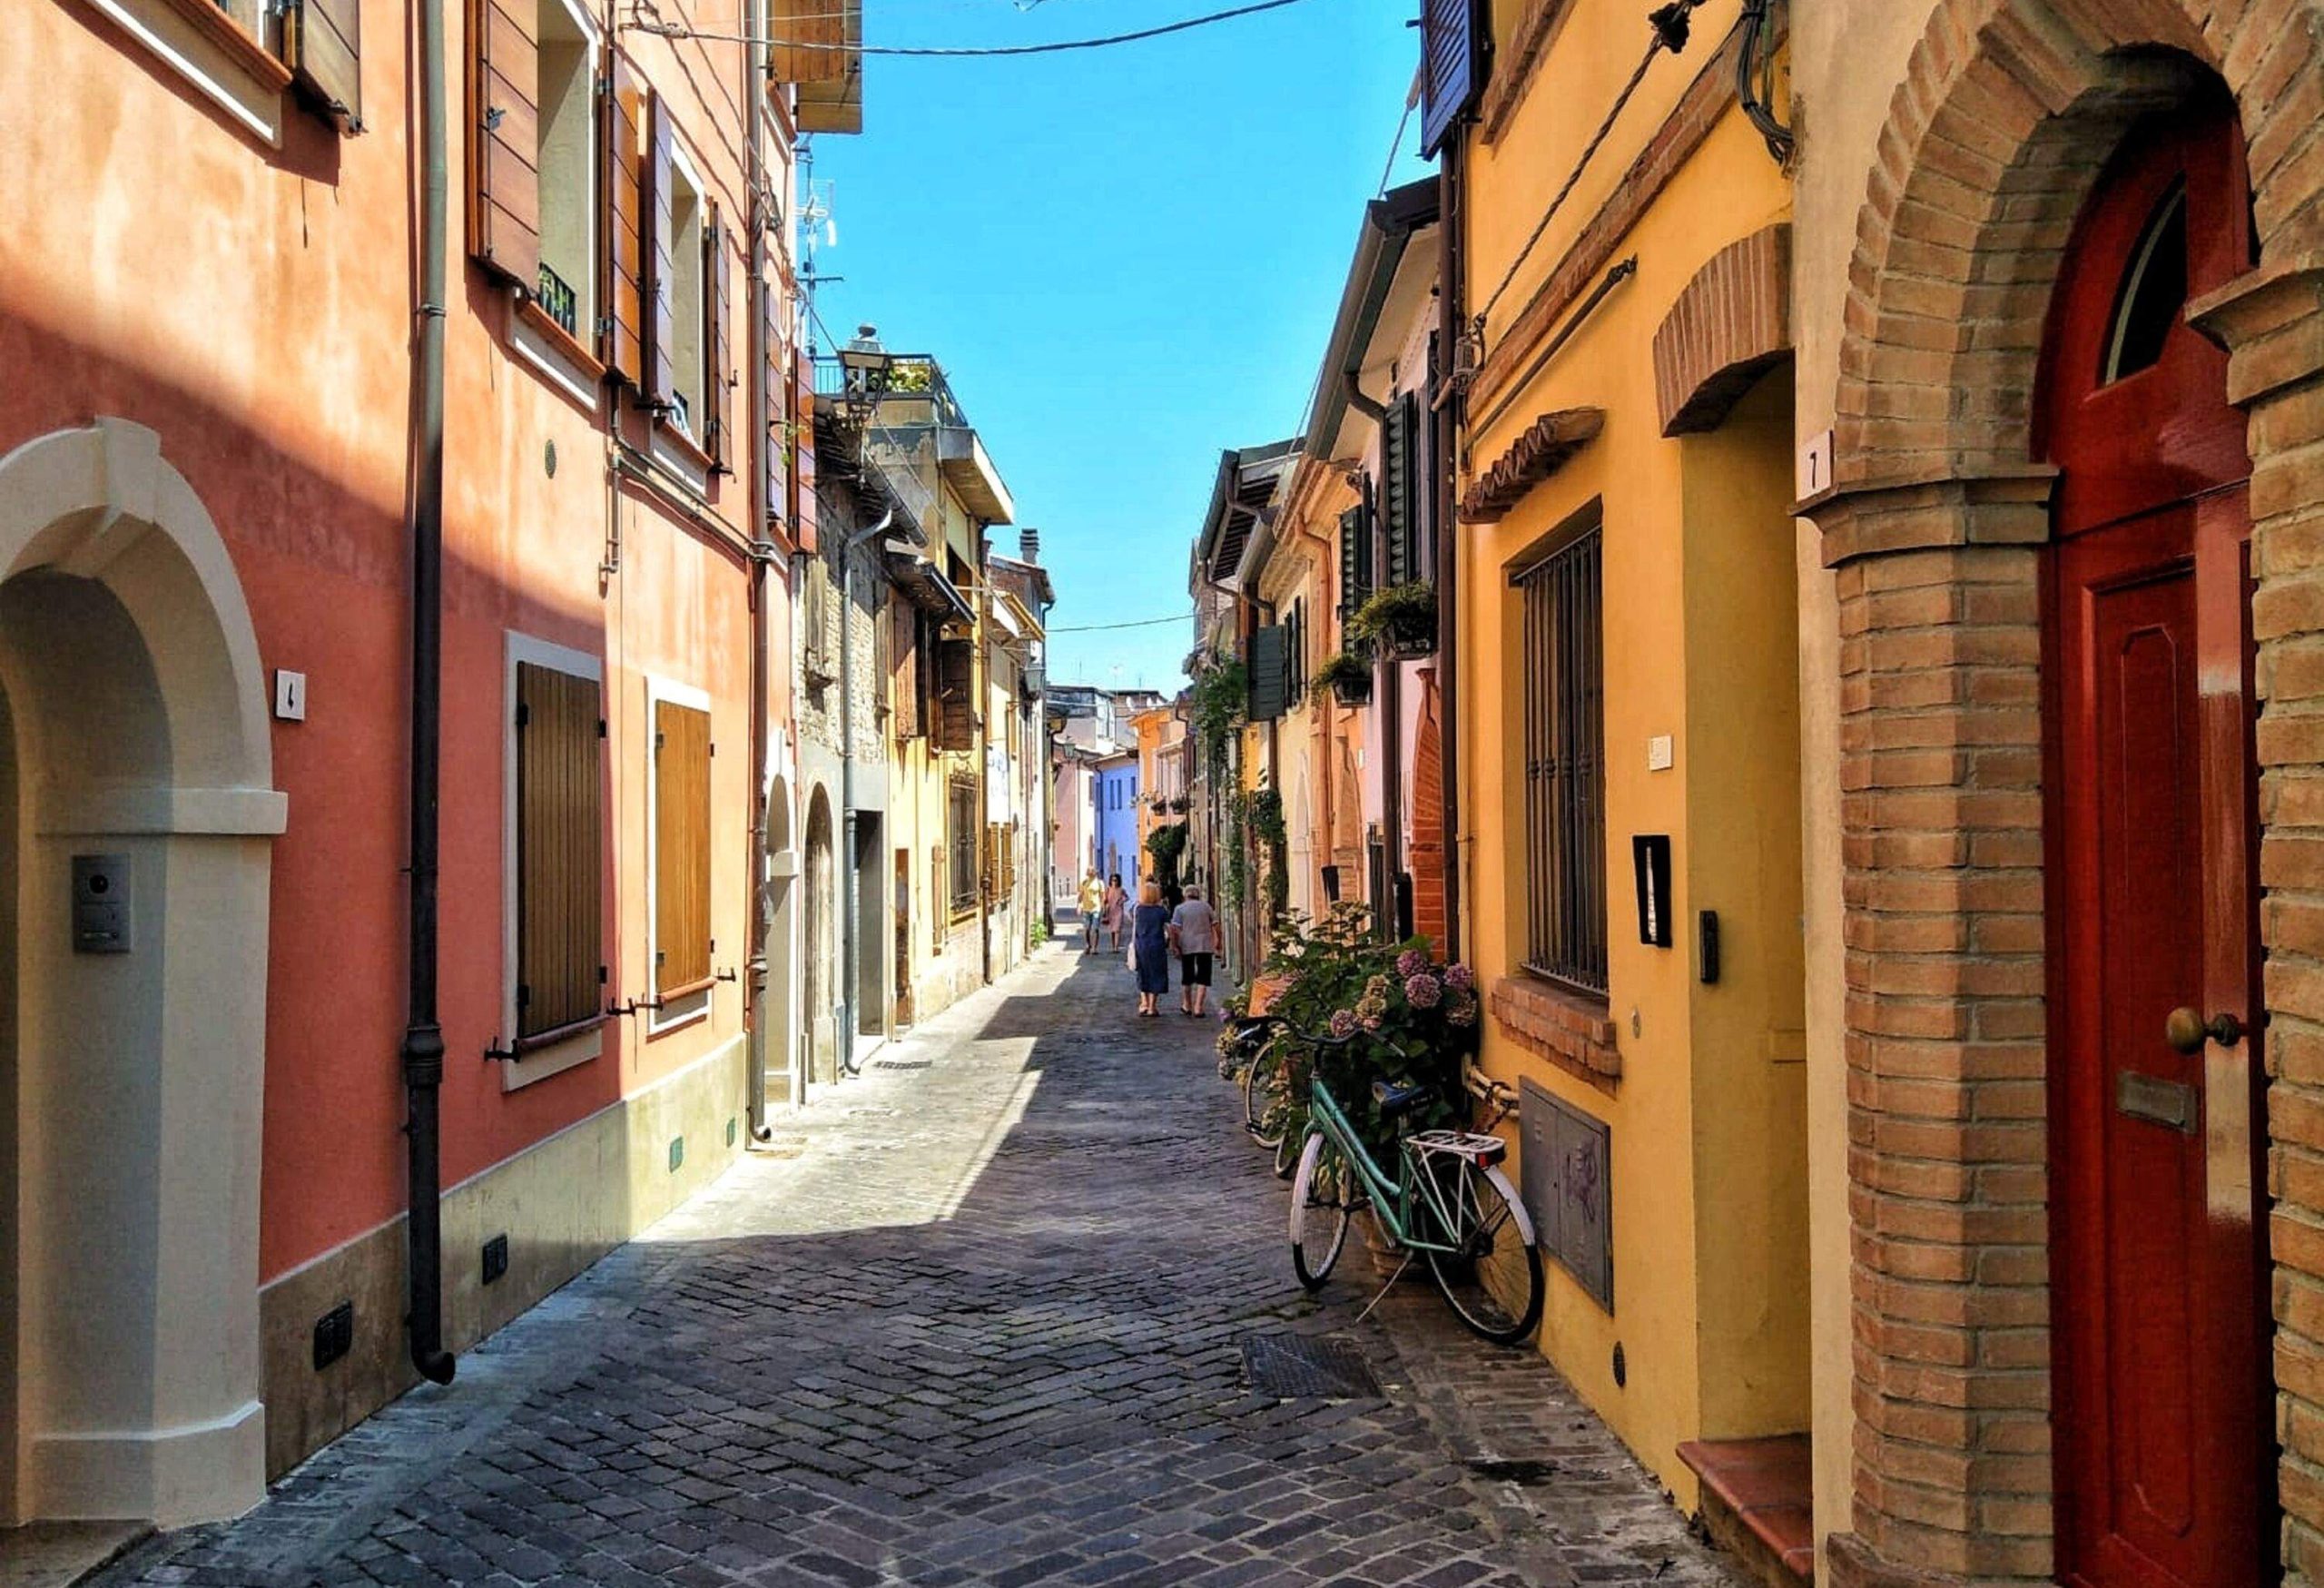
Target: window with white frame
[689,216]
[567,167]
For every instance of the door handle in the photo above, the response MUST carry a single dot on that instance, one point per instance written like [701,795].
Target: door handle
[2186,1029]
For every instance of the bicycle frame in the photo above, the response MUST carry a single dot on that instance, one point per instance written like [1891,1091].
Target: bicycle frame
[1394,1202]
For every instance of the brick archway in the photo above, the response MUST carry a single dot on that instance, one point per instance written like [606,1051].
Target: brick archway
[1934,526]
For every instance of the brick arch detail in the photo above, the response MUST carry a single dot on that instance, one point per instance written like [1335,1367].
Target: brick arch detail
[1933,526]
[1730,325]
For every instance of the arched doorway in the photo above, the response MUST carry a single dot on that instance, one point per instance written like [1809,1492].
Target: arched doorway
[136,814]
[821,944]
[2160,1309]
[780,912]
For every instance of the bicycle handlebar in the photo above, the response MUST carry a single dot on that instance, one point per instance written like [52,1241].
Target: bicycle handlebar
[1321,1038]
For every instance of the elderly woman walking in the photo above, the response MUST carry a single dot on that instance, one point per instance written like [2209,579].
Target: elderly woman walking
[1150,941]
[1194,929]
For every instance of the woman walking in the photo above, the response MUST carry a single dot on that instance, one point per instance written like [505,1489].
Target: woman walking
[1112,908]
[1151,943]
[1196,931]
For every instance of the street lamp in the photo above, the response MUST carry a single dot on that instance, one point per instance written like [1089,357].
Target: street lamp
[865,368]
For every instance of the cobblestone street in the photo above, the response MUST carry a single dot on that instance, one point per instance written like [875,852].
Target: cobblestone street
[980,1316]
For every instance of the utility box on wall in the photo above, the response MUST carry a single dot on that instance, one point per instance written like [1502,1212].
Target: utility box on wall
[101,898]
[1568,1187]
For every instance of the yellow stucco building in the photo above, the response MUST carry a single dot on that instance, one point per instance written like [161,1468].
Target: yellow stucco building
[1626,704]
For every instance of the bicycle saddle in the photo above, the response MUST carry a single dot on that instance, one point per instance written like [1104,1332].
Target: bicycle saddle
[1396,1097]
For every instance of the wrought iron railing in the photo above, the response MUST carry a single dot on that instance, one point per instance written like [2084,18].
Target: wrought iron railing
[558,300]
[917,392]
[1565,768]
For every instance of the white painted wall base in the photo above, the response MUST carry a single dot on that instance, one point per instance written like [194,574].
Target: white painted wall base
[168,1476]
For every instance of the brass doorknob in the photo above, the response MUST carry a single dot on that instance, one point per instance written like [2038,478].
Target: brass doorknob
[2186,1029]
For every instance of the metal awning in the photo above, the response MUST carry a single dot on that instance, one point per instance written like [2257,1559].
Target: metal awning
[926,583]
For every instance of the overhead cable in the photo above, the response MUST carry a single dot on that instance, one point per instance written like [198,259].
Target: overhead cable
[679,30]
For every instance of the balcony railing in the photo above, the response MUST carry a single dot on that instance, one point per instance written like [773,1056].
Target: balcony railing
[917,393]
[558,300]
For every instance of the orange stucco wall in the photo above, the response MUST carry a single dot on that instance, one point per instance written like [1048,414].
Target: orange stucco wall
[252,307]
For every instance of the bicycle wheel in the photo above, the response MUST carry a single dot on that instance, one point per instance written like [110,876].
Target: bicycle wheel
[1287,1151]
[1494,1254]
[1319,1212]
[1261,1116]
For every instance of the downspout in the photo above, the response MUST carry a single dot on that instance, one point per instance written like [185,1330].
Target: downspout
[423,1038]
[763,556]
[1447,420]
[849,925]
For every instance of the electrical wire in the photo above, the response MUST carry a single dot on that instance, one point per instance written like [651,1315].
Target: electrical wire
[676,30]
[1139,622]
[1669,24]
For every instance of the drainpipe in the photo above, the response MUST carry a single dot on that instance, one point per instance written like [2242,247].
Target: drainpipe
[763,556]
[849,925]
[423,1038]
[1447,417]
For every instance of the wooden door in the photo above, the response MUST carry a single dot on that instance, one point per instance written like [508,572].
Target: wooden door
[2161,1377]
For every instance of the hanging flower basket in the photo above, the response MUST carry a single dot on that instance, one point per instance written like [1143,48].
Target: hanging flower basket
[1400,620]
[1347,676]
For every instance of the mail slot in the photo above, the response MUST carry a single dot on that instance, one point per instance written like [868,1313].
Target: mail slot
[2167,1103]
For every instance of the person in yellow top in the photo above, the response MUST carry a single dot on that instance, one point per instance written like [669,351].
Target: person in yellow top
[1093,896]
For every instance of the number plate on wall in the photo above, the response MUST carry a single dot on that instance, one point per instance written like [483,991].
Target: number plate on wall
[1568,1158]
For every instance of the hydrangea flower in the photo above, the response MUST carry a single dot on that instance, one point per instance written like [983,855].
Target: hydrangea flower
[1463,1009]
[1371,1023]
[1459,978]
[1411,964]
[1423,989]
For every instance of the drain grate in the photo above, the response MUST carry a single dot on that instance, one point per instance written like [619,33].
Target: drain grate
[904,1063]
[1300,1367]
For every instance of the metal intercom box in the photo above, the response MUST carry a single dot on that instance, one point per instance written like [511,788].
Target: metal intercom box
[1567,1163]
[100,901]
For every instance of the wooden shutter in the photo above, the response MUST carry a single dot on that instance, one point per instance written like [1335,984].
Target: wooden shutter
[777,376]
[1397,474]
[1356,561]
[560,851]
[956,725]
[504,139]
[910,723]
[1269,661]
[622,273]
[323,46]
[718,290]
[1453,67]
[803,448]
[660,385]
[810,40]
[681,848]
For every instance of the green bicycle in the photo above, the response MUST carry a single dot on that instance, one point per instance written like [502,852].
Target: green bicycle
[1449,1201]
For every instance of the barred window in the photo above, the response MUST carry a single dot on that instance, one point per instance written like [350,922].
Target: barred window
[962,835]
[1565,766]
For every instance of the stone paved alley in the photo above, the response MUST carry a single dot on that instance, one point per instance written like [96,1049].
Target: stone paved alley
[980,1318]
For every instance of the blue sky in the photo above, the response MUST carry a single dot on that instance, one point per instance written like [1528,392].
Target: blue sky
[1126,260]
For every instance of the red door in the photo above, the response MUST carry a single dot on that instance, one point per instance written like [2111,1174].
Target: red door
[2165,1465]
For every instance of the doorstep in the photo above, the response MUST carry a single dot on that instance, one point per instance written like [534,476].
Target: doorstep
[1757,1501]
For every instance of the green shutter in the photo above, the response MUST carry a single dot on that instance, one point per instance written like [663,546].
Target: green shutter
[1270,673]
[1356,561]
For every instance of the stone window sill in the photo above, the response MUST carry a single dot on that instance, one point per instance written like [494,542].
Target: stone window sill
[1573,1032]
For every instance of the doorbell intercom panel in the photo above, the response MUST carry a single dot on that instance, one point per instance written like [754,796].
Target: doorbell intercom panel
[101,898]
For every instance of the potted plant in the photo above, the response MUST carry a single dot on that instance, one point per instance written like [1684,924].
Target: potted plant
[1348,675]
[1400,620]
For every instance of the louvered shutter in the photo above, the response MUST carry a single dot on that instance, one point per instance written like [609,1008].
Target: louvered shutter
[956,726]
[323,46]
[503,140]
[718,335]
[802,449]
[777,376]
[560,851]
[622,272]
[1452,43]
[1356,561]
[661,382]
[681,848]
[1400,489]
[1270,673]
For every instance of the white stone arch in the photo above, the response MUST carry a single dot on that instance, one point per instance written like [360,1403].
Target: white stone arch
[131,1084]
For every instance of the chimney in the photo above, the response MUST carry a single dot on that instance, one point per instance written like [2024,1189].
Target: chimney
[1029,544]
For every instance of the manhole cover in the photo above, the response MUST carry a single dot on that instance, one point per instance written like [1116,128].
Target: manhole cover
[1301,1367]
[902,1063]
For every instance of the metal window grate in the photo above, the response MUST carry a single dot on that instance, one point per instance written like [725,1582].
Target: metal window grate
[558,300]
[1565,769]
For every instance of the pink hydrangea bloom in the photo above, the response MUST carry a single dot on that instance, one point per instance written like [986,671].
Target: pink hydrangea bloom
[1463,1009]
[1423,990]
[1411,964]
[1459,978]
[1344,1022]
